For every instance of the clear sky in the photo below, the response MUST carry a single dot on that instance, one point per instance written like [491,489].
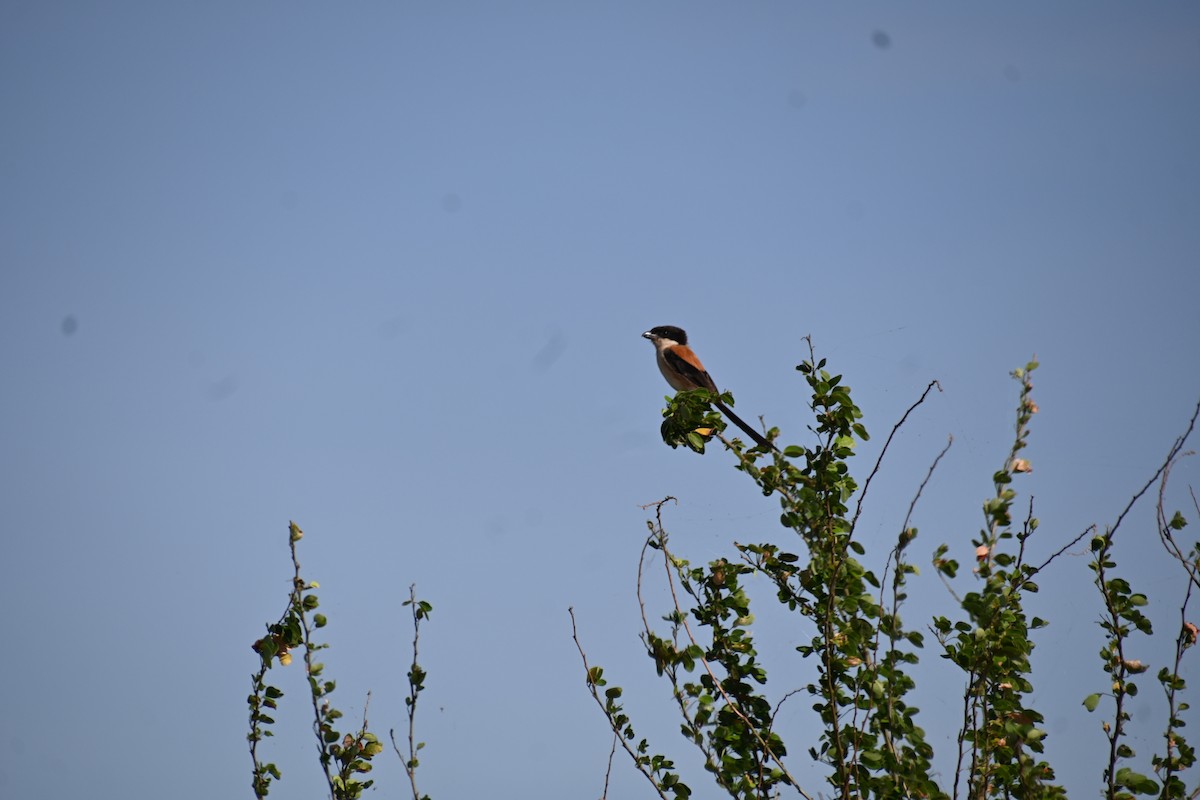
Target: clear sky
[381,268]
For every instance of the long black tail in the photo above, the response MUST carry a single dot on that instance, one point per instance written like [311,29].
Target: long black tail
[753,434]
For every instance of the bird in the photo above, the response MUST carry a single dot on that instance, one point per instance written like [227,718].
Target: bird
[683,370]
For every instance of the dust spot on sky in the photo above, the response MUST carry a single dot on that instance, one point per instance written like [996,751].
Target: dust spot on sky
[69,325]
[1012,74]
[222,389]
[392,327]
[796,99]
[881,39]
[551,351]
[451,203]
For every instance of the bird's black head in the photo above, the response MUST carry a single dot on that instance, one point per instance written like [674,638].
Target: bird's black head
[671,332]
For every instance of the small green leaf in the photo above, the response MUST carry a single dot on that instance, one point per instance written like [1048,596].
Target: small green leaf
[1091,701]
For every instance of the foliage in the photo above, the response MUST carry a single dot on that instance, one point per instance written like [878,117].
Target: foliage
[864,654]
[1000,732]
[416,684]
[343,756]
[1123,617]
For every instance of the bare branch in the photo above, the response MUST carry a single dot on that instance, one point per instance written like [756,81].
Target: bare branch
[1091,529]
[928,476]
[862,496]
[1164,525]
[587,669]
[1166,465]
[608,770]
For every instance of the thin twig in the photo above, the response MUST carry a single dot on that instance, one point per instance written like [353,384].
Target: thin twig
[608,770]
[928,475]
[962,732]
[587,669]
[658,532]
[1164,526]
[1173,708]
[1184,640]
[1022,537]
[1089,529]
[896,583]
[667,559]
[778,706]
[862,496]
[1174,451]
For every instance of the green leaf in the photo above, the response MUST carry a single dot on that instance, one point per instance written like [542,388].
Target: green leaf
[1136,782]
[1091,701]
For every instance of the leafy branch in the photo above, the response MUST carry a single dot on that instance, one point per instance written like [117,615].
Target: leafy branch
[657,769]
[416,684]
[342,756]
[1122,617]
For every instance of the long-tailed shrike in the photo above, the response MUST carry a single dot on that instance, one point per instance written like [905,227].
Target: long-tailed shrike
[683,370]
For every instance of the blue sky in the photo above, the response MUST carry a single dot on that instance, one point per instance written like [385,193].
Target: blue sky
[382,269]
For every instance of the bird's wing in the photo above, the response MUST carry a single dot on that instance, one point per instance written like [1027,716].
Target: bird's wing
[684,361]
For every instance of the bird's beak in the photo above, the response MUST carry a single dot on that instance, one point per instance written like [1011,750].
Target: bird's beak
[648,335]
